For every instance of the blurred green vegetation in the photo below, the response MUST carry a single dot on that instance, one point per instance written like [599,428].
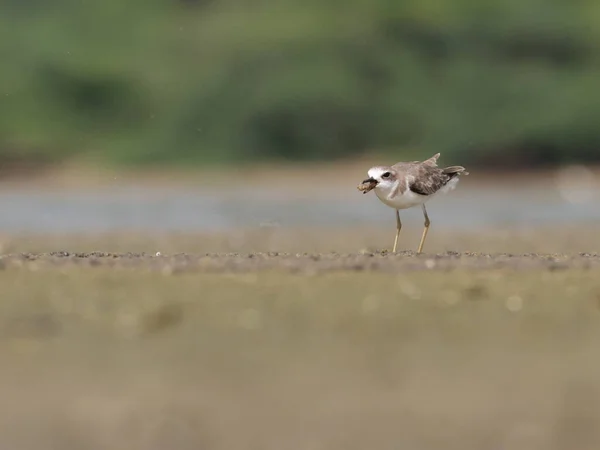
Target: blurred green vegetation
[207,81]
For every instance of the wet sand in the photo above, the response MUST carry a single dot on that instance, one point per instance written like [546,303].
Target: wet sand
[307,263]
[267,339]
[311,250]
[101,358]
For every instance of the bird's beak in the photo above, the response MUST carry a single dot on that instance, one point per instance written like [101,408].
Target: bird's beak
[367,185]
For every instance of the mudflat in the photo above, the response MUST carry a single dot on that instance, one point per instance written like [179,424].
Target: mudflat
[276,341]
[309,263]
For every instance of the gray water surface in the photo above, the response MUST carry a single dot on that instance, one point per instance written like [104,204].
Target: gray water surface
[160,210]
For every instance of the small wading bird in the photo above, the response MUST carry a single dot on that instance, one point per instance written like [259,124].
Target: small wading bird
[408,184]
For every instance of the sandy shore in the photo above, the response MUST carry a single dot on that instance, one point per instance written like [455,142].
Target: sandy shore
[461,359]
[307,263]
[266,339]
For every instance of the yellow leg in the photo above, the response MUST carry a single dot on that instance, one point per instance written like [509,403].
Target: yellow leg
[425,230]
[398,228]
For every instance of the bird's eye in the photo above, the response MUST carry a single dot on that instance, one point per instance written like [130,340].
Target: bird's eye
[386,175]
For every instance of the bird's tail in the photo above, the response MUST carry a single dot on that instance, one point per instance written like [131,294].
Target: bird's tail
[454,171]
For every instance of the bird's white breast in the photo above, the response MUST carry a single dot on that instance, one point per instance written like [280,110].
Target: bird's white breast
[408,198]
[404,200]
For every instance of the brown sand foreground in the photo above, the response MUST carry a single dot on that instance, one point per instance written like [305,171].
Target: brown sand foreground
[307,263]
[123,349]
[311,251]
[547,240]
[125,359]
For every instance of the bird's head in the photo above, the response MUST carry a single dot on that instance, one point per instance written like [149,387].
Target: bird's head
[380,177]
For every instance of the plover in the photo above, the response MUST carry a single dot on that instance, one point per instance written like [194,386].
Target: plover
[408,184]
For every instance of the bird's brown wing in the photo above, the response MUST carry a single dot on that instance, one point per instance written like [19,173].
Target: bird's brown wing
[427,179]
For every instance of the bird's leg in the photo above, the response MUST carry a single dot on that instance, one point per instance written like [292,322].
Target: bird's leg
[425,230]
[398,228]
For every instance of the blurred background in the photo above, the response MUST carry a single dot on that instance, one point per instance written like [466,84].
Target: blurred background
[202,81]
[102,92]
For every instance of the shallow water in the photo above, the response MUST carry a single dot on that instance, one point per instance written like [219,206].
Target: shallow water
[190,209]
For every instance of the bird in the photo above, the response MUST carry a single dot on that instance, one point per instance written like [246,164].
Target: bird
[408,184]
